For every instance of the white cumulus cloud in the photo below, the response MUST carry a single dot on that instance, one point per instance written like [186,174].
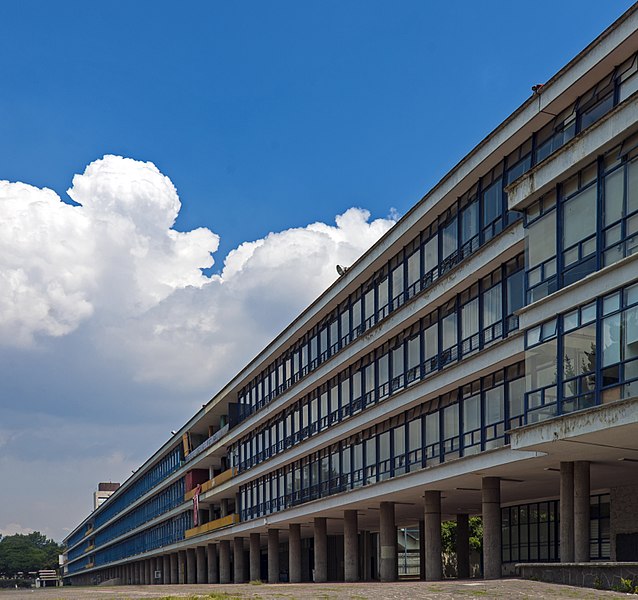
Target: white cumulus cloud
[111,334]
[115,262]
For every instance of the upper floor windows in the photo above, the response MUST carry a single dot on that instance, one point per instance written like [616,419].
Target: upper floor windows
[589,221]
[474,219]
[584,357]
[467,323]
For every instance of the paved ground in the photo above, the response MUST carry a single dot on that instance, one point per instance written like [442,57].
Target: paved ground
[504,589]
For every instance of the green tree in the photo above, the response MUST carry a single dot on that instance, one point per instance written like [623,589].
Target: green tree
[30,552]
[448,535]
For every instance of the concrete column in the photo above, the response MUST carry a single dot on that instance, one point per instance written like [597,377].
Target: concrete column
[157,566]
[273,556]
[491,527]
[174,574]
[462,546]
[181,567]
[581,511]
[567,512]
[255,557]
[224,561]
[294,553]
[321,550]
[387,543]
[136,573]
[223,507]
[350,545]
[149,571]
[200,554]
[238,560]
[422,550]
[433,558]
[213,569]
[366,542]
[191,569]
[166,569]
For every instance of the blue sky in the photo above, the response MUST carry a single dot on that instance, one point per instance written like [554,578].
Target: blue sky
[266,117]
[287,111]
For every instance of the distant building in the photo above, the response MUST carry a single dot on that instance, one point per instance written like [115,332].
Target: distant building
[47,578]
[480,359]
[104,491]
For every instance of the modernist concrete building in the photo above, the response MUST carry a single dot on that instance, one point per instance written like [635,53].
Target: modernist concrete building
[480,359]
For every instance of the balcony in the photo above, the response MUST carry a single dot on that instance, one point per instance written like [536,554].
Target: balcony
[212,525]
[212,483]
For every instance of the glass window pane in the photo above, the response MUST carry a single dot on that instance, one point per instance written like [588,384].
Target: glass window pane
[431,254]
[494,405]
[492,306]
[469,222]
[449,244]
[611,340]
[414,435]
[471,413]
[579,217]
[414,268]
[397,281]
[492,205]
[614,188]
[515,292]
[414,352]
[541,240]
[469,319]
[449,331]
[540,365]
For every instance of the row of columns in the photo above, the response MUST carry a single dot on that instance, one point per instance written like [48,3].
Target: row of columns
[212,563]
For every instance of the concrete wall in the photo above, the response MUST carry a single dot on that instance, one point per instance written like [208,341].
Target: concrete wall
[624,513]
[604,576]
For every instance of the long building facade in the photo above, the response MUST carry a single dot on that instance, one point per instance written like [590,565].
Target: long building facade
[481,359]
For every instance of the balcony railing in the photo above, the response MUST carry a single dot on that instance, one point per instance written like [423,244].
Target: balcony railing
[211,483]
[226,521]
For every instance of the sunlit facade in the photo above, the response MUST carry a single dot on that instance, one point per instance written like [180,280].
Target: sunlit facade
[481,359]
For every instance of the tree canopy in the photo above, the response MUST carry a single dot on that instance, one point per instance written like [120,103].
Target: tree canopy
[30,552]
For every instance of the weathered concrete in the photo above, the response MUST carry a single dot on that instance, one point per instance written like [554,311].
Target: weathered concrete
[255,557]
[366,543]
[238,560]
[211,560]
[387,542]
[623,517]
[294,553]
[174,573]
[166,569]
[202,574]
[581,511]
[600,575]
[433,557]
[567,512]
[462,546]
[491,510]
[273,556]
[224,562]
[350,546]
[422,549]
[191,568]
[321,550]
[181,567]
